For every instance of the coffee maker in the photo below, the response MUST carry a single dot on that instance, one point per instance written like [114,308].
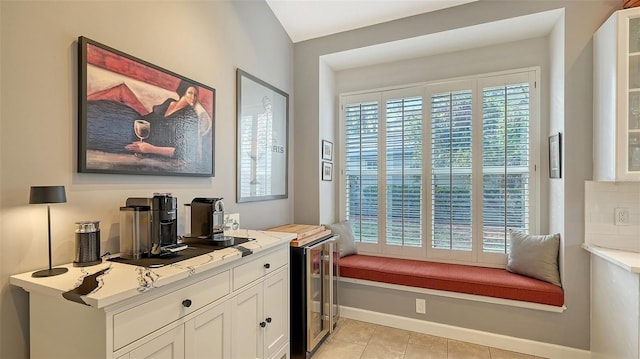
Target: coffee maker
[164,218]
[207,225]
[207,218]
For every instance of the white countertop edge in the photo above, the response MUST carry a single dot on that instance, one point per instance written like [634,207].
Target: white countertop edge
[627,260]
[168,274]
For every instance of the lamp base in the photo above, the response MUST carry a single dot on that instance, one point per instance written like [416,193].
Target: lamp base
[49,272]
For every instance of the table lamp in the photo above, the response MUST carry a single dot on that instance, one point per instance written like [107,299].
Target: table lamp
[47,195]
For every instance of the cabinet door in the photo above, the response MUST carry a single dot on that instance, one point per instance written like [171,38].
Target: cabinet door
[169,345]
[276,312]
[616,111]
[209,334]
[282,354]
[631,128]
[248,323]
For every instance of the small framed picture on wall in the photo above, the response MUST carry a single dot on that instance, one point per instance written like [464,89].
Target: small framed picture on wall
[327,150]
[555,158]
[327,171]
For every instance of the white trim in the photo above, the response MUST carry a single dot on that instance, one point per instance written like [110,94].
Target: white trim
[474,83]
[465,296]
[440,81]
[499,341]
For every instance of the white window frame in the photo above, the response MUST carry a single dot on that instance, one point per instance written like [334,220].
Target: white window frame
[476,83]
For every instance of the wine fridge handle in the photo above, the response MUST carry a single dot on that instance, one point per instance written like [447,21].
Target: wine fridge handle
[331,279]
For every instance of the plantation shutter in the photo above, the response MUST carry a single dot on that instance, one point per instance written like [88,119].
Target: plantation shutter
[505,164]
[361,169]
[404,172]
[451,160]
[442,171]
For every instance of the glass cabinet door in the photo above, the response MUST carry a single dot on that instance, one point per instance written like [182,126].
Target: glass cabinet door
[633,123]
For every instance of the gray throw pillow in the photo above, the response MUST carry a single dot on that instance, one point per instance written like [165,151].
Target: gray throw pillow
[346,242]
[535,256]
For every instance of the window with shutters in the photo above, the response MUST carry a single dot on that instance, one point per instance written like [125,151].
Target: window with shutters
[361,169]
[442,171]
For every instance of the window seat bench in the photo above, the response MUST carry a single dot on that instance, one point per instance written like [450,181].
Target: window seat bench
[482,281]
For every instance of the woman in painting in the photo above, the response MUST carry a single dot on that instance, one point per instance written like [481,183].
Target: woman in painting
[174,127]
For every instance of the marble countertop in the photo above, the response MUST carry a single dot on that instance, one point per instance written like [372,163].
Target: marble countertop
[627,260]
[117,281]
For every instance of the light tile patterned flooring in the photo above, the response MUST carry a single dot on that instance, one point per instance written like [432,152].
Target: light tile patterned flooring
[354,339]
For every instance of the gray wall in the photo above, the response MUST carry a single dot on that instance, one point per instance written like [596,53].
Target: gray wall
[202,40]
[568,106]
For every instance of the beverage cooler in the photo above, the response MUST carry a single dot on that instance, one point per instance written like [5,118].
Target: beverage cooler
[314,294]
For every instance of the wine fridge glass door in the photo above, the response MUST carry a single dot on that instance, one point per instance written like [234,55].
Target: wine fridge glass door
[317,295]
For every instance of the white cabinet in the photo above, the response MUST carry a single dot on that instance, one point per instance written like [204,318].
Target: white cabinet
[247,317]
[239,310]
[139,320]
[276,313]
[615,311]
[167,345]
[261,318]
[209,334]
[616,110]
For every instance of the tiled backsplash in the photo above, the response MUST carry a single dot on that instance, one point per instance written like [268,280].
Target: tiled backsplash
[601,201]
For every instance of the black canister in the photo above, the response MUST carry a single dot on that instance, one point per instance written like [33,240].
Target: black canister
[87,244]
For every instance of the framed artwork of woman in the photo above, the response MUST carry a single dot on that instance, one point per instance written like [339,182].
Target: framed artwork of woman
[137,118]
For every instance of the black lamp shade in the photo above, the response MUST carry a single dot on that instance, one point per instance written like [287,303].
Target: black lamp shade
[47,194]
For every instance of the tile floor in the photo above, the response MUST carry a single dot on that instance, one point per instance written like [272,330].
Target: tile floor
[354,339]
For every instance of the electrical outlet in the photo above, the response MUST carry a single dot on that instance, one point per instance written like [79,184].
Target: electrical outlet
[621,216]
[421,306]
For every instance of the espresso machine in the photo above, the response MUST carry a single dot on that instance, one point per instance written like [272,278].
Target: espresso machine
[207,218]
[164,219]
[207,224]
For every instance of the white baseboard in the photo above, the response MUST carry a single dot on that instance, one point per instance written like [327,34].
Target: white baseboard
[504,342]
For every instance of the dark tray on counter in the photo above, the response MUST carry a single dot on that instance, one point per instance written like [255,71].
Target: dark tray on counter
[197,246]
[222,242]
[166,258]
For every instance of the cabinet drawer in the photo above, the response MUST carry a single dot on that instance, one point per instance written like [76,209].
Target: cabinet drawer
[134,323]
[259,267]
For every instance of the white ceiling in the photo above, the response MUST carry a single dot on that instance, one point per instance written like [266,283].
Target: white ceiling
[308,19]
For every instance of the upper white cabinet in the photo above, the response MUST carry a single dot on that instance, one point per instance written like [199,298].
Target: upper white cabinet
[616,109]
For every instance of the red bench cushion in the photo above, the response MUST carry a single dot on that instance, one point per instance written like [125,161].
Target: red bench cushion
[491,282]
